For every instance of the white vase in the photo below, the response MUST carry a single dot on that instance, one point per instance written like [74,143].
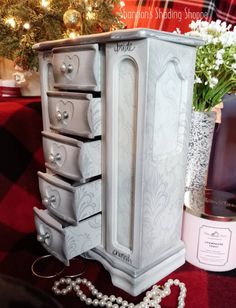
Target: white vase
[200,142]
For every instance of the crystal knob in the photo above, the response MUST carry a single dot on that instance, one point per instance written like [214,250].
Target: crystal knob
[53,158]
[69,68]
[43,237]
[63,68]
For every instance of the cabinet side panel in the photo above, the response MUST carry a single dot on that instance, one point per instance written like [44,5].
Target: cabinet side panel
[169,101]
[127,122]
[126,64]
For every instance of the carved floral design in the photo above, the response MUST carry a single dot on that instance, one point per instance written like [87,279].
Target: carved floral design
[90,159]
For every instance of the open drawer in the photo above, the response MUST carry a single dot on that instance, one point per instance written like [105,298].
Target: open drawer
[77,68]
[75,113]
[69,157]
[64,241]
[70,202]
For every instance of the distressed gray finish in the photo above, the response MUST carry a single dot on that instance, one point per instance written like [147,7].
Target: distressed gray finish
[146,81]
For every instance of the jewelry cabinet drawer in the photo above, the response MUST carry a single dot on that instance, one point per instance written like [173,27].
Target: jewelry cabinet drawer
[75,113]
[64,241]
[77,68]
[67,201]
[74,159]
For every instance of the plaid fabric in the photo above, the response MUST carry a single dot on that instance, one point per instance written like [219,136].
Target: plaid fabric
[171,14]
[21,158]
[226,10]
[204,289]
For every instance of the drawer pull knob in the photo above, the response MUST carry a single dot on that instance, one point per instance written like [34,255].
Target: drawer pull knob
[70,68]
[43,237]
[63,68]
[66,69]
[53,158]
[47,201]
[62,116]
[65,115]
[59,116]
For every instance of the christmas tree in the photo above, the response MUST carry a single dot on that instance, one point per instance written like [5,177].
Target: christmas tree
[26,22]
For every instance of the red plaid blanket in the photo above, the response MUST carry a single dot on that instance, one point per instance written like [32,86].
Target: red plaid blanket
[167,15]
[21,158]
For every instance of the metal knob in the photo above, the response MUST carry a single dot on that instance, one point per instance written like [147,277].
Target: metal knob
[65,115]
[62,116]
[69,68]
[53,158]
[47,201]
[43,237]
[63,68]
[58,115]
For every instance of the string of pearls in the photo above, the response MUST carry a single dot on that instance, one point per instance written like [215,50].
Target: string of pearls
[152,298]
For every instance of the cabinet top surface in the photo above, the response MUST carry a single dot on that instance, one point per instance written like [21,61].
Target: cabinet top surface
[121,35]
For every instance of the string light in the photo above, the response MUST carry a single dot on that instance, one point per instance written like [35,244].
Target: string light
[90,15]
[11,21]
[122,4]
[26,26]
[73,35]
[45,3]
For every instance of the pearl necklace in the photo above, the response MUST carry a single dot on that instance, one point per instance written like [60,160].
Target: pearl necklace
[152,298]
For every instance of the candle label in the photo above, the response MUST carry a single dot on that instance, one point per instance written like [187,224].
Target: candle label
[213,245]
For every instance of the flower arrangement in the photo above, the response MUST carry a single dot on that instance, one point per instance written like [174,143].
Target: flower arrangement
[215,73]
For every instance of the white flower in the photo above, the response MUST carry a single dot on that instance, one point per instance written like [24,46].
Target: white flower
[215,40]
[219,62]
[213,82]
[217,57]
[198,80]
[193,33]
[220,52]
[233,66]
[228,38]
[223,25]
[177,31]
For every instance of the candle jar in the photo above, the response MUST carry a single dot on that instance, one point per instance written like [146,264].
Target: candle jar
[209,230]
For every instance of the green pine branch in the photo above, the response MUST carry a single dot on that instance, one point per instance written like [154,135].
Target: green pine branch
[47,24]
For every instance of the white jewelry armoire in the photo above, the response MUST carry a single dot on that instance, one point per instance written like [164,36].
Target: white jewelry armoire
[116,116]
